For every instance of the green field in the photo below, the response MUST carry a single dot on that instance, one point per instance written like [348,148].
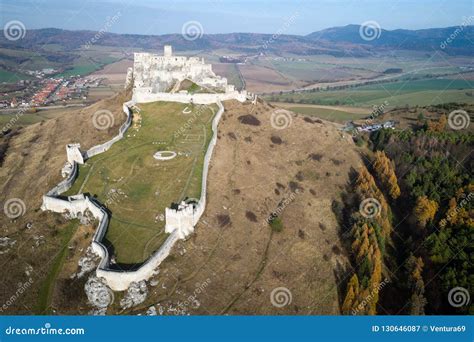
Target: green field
[421,93]
[32,118]
[11,77]
[86,65]
[320,68]
[422,85]
[233,77]
[136,187]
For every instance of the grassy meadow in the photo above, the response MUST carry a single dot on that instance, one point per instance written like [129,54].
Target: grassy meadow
[137,188]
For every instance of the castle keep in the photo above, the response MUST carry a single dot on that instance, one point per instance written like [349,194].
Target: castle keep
[158,78]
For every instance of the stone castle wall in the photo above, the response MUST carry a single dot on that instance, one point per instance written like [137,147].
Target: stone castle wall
[106,146]
[145,96]
[179,223]
[184,220]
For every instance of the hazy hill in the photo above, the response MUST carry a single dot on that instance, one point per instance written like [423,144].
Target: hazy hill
[426,39]
[335,41]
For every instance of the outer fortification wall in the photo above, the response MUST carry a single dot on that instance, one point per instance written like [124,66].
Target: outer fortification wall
[106,146]
[187,216]
[145,95]
[179,223]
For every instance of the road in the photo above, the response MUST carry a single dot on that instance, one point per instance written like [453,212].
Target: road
[6,111]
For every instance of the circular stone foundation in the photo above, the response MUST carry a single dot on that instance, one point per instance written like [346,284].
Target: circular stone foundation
[164,155]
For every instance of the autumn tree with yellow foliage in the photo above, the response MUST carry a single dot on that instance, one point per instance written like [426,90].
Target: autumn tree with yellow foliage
[369,235]
[439,125]
[385,171]
[425,210]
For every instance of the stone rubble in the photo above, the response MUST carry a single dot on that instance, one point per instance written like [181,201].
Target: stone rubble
[100,296]
[86,264]
[151,311]
[136,294]
[5,244]
[28,270]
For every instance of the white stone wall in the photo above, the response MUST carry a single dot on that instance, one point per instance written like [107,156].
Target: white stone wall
[184,220]
[143,96]
[106,146]
[79,204]
[66,184]
[159,73]
[120,281]
[129,78]
[179,223]
[74,154]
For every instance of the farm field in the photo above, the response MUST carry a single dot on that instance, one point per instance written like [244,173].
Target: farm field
[309,71]
[323,70]
[12,77]
[421,93]
[32,118]
[136,187]
[337,114]
[114,73]
[266,79]
[230,71]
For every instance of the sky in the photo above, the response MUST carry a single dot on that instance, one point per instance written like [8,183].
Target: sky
[225,16]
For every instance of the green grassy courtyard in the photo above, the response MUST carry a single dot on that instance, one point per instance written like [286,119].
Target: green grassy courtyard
[137,188]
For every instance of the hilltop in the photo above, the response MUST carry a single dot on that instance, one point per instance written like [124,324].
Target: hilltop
[255,171]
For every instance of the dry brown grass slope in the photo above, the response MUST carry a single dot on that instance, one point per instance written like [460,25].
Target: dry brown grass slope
[234,261]
[31,167]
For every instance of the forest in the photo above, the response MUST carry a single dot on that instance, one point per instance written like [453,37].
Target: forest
[415,242]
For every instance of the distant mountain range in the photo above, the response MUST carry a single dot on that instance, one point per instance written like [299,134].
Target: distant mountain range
[337,41]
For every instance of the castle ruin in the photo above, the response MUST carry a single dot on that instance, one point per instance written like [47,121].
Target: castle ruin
[158,78]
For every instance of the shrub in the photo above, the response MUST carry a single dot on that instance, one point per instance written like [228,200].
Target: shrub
[276,224]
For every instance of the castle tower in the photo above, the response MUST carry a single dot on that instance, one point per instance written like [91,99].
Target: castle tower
[168,51]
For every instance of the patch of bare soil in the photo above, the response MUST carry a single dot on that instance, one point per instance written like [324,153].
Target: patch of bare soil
[233,261]
[115,73]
